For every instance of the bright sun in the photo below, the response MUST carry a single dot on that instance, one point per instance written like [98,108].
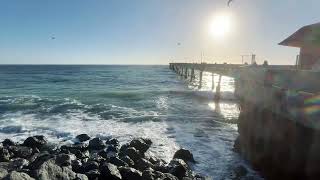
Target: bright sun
[220,25]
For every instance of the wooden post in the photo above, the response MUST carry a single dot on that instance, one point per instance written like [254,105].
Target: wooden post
[200,80]
[186,73]
[192,74]
[212,81]
[218,93]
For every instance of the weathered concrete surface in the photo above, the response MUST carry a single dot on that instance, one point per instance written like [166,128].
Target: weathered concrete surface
[278,147]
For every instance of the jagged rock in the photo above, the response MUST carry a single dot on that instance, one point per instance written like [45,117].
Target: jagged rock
[3,173]
[4,155]
[124,147]
[65,159]
[90,165]
[73,147]
[110,171]
[112,148]
[81,154]
[184,154]
[8,142]
[83,137]
[51,171]
[35,142]
[113,142]
[132,153]
[39,160]
[18,163]
[77,166]
[128,173]
[93,174]
[14,175]
[141,144]
[117,161]
[96,144]
[81,177]
[168,176]
[178,168]
[127,160]
[21,151]
[143,164]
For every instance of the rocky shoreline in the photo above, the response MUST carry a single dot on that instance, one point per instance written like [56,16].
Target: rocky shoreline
[90,158]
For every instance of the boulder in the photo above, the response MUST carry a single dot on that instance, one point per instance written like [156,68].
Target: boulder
[110,171]
[141,144]
[143,164]
[90,165]
[35,142]
[96,144]
[8,142]
[113,142]
[4,155]
[14,175]
[132,153]
[21,151]
[128,173]
[18,163]
[39,160]
[77,166]
[73,147]
[81,177]
[65,159]
[83,137]
[49,170]
[117,161]
[93,174]
[127,160]
[178,168]
[184,154]
[3,173]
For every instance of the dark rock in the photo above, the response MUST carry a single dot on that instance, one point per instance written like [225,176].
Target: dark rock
[124,148]
[133,153]
[240,171]
[81,154]
[143,164]
[39,160]
[18,163]
[113,148]
[83,137]
[113,142]
[81,177]
[90,165]
[14,175]
[74,147]
[128,173]
[35,142]
[117,161]
[141,144]
[4,155]
[21,151]
[96,144]
[184,154]
[51,171]
[150,174]
[127,160]
[65,159]
[3,173]
[77,166]
[93,174]
[168,176]
[178,168]
[8,142]
[107,153]
[110,171]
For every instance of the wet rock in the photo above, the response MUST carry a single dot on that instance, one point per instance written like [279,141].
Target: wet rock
[21,151]
[132,153]
[184,154]
[77,166]
[90,165]
[113,142]
[240,171]
[117,161]
[168,176]
[178,168]
[65,159]
[81,154]
[35,142]
[142,145]
[4,155]
[18,163]
[3,173]
[39,160]
[124,148]
[113,148]
[93,174]
[83,137]
[96,144]
[51,171]
[14,175]
[128,173]
[81,177]
[143,164]
[110,171]
[127,160]
[8,142]
[75,147]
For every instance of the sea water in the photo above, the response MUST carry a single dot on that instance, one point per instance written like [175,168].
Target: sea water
[62,101]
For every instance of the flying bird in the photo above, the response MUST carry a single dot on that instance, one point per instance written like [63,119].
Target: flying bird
[178,44]
[229,2]
[53,38]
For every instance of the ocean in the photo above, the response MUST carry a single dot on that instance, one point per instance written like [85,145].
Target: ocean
[62,101]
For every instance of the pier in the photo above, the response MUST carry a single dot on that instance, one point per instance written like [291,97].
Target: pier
[278,125]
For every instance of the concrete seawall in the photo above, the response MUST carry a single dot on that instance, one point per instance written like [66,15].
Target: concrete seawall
[278,147]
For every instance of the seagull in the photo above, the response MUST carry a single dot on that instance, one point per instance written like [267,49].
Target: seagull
[229,2]
[178,44]
[53,38]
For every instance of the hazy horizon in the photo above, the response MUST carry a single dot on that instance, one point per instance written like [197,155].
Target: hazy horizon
[148,31]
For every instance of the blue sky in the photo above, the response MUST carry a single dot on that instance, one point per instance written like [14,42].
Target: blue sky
[147,31]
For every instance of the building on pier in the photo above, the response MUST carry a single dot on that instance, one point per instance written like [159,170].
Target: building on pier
[308,40]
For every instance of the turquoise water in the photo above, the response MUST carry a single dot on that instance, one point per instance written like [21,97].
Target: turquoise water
[124,102]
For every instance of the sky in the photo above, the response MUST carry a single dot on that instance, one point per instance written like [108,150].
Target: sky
[148,31]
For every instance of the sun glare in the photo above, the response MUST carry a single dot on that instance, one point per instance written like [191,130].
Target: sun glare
[220,25]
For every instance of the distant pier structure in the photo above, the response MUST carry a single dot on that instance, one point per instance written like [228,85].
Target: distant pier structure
[279,121]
